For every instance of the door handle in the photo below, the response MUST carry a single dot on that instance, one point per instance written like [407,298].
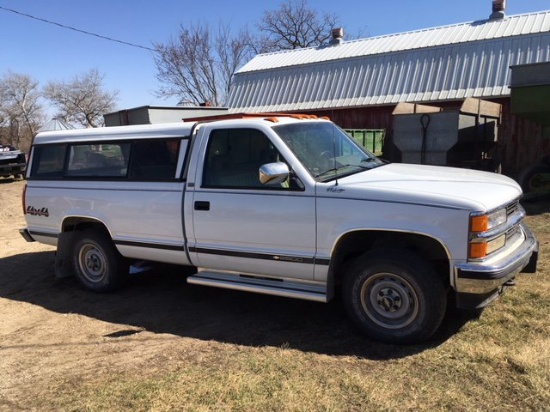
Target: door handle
[200,205]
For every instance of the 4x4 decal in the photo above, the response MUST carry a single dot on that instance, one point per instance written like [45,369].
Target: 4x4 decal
[31,210]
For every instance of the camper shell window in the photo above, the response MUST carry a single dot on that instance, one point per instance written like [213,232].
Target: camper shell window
[140,160]
[102,160]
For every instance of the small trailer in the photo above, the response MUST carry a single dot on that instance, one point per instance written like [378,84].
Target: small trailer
[461,137]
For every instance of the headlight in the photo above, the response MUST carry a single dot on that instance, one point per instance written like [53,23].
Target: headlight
[479,250]
[483,223]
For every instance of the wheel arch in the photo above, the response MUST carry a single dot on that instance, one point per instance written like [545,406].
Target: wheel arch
[79,223]
[353,244]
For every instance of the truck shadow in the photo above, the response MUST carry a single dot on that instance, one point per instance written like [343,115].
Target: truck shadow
[6,180]
[161,301]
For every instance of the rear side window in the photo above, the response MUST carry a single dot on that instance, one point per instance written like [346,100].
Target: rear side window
[102,160]
[48,161]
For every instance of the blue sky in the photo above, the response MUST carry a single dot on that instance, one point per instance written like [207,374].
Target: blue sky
[47,52]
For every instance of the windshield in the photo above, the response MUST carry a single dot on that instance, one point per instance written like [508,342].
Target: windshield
[326,150]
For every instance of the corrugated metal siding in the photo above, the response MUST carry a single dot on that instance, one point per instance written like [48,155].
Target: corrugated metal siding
[479,69]
[452,62]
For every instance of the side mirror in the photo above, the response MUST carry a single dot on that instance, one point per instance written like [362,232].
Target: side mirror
[274,173]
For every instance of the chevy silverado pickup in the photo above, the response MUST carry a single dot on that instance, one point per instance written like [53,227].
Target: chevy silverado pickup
[281,205]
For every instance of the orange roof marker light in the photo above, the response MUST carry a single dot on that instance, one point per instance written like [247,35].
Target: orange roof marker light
[303,116]
[267,116]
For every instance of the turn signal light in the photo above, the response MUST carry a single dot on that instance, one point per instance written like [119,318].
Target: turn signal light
[478,250]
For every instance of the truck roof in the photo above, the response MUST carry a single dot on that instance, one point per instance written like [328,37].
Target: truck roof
[118,132]
[164,130]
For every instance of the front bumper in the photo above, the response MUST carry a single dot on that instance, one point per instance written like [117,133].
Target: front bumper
[477,284]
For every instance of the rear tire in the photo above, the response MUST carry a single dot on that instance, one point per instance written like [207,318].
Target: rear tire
[394,296]
[99,267]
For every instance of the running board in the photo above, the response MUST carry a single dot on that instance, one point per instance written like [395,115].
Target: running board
[260,285]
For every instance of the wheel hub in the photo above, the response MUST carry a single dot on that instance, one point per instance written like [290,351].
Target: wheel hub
[92,263]
[389,301]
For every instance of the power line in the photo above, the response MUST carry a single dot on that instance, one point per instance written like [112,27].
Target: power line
[77,30]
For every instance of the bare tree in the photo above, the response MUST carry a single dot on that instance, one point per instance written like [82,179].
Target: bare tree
[233,52]
[21,113]
[295,25]
[197,66]
[83,100]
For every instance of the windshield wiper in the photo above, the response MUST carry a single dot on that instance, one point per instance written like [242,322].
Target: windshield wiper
[378,161]
[336,169]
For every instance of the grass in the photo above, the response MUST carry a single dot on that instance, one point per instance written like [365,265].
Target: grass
[499,361]
[474,371]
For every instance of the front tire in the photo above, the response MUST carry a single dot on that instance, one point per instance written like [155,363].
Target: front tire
[394,296]
[98,265]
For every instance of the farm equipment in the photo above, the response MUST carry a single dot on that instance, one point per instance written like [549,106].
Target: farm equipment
[462,137]
[530,86]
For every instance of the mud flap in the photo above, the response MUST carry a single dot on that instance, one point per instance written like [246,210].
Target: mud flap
[532,265]
[63,256]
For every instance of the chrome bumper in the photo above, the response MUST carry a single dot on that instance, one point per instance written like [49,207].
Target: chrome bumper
[486,280]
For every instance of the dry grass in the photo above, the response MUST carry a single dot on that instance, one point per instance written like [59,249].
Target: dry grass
[475,370]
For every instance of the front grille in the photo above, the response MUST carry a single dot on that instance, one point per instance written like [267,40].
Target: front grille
[513,234]
[511,208]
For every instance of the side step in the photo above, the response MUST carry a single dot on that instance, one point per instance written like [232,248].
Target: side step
[260,285]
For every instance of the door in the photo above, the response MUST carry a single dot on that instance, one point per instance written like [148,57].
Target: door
[241,225]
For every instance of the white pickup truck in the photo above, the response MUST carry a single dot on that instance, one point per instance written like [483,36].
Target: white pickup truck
[281,205]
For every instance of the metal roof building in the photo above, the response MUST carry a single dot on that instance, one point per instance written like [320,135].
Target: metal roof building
[358,83]
[442,63]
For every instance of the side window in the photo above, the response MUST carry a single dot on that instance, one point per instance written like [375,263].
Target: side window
[48,161]
[154,159]
[234,156]
[98,160]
